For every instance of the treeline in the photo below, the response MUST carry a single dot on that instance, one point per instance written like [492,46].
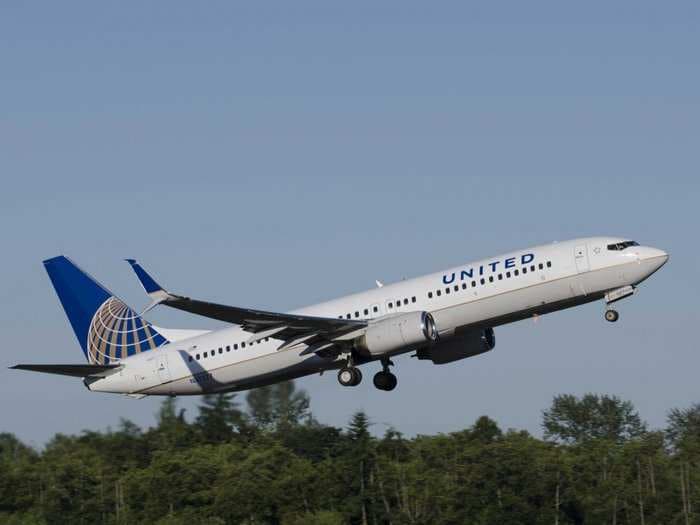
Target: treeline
[273,463]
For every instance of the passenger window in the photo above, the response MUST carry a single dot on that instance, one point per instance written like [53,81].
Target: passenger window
[357,314]
[490,278]
[391,305]
[235,346]
[473,284]
[456,288]
[524,269]
[482,281]
[541,266]
[413,299]
[221,350]
[430,295]
[197,357]
[532,268]
[375,309]
[447,290]
[349,316]
[500,276]
[366,311]
[507,275]
[228,348]
[549,264]
[242,345]
[439,293]
[405,301]
[516,272]
[190,358]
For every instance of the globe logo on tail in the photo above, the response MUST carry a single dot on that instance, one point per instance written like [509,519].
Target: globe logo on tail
[116,332]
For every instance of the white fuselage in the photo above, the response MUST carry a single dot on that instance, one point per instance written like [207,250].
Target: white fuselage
[482,294]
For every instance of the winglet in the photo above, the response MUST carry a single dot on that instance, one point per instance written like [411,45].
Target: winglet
[150,286]
[148,283]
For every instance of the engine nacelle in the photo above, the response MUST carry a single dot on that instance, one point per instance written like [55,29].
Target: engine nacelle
[460,346]
[399,331]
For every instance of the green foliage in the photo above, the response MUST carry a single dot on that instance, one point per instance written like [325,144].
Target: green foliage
[278,407]
[684,426]
[229,467]
[219,417]
[574,420]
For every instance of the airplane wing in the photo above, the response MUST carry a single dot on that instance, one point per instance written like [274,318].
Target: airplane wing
[70,370]
[315,332]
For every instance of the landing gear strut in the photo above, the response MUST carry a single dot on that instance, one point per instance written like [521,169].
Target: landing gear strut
[385,380]
[611,315]
[613,296]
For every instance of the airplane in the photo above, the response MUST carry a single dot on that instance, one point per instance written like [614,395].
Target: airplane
[441,317]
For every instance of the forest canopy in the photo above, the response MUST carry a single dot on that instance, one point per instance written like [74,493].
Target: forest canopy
[264,459]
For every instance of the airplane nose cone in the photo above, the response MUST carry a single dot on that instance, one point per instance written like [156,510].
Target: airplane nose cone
[654,258]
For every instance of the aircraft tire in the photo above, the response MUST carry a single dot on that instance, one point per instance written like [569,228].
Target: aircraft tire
[612,316]
[349,376]
[385,381]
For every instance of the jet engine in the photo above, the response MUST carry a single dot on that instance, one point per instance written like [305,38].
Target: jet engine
[460,346]
[401,331]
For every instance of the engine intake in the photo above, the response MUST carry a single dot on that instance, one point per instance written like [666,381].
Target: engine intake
[401,331]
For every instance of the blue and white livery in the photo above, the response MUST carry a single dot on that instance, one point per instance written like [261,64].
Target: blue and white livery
[441,317]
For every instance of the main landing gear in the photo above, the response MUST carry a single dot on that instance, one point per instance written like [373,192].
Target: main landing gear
[385,380]
[349,375]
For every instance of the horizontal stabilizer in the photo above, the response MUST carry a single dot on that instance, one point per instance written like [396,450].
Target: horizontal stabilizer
[70,370]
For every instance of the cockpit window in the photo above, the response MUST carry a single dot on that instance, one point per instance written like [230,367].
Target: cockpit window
[619,246]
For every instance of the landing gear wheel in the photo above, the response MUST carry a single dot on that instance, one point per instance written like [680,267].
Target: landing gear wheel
[385,381]
[611,316]
[349,376]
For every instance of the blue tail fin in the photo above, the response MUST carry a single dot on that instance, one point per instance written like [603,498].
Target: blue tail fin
[106,328]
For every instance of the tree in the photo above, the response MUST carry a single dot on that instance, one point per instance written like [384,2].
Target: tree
[172,430]
[260,406]
[683,425]
[278,407]
[362,457]
[485,430]
[573,420]
[291,406]
[218,417]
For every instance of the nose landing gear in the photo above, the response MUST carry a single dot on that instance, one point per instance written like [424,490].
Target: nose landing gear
[385,380]
[611,315]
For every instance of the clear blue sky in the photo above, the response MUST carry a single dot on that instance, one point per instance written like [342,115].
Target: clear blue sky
[277,154]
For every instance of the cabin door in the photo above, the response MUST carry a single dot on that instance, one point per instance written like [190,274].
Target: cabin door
[581,257]
[161,363]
